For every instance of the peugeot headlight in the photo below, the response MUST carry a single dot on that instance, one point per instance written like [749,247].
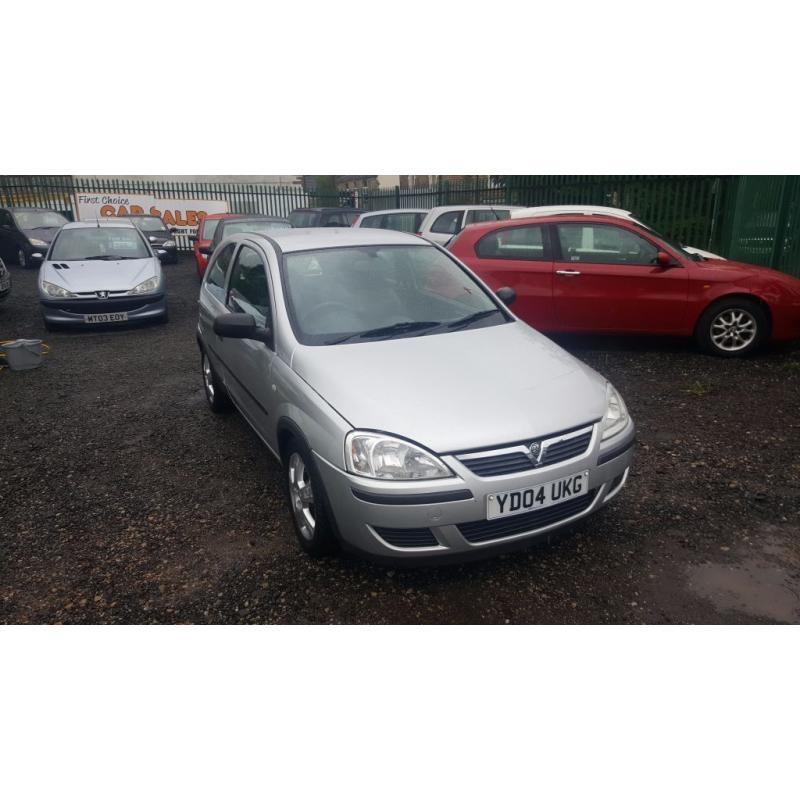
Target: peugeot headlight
[38,242]
[54,290]
[150,285]
[168,243]
[616,417]
[376,455]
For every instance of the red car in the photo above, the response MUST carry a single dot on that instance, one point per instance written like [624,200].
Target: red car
[608,273]
[205,233]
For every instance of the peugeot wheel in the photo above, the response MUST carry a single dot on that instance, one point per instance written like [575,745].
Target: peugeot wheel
[734,327]
[217,397]
[313,521]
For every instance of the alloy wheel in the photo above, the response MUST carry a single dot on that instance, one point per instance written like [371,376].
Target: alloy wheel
[733,329]
[301,496]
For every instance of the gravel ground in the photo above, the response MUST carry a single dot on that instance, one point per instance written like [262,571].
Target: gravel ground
[122,499]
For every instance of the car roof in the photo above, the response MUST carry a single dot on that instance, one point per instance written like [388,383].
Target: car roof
[328,208]
[549,211]
[250,217]
[100,223]
[395,211]
[479,228]
[226,215]
[467,207]
[296,239]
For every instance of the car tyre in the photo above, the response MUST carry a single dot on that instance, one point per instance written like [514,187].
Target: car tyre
[22,258]
[308,502]
[732,328]
[216,396]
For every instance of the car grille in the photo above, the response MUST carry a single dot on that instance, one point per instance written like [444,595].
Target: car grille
[487,530]
[103,306]
[516,459]
[408,537]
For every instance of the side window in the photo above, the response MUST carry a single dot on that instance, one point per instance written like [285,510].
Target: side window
[5,219]
[604,244]
[520,243]
[215,280]
[372,222]
[249,291]
[447,223]
[487,215]
[407,223]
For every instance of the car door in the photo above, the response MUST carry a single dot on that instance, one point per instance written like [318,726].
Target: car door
[607,278]
[445,226]
[520,257]
[250,362]
[213,297]
[8,242]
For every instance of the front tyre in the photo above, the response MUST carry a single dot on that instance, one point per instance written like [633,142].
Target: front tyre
[311,514]
[731,328]
[22,258]
[217,397]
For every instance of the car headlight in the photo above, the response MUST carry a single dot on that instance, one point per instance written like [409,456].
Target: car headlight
[376,455]
[168,243]
[152,238]
[616,417]
[150,285]
[54,290]
[38,242]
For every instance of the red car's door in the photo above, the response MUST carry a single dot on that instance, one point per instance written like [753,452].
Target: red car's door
[607,278]
[519,257]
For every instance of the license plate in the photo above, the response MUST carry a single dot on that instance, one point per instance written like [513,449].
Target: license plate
[521,501]
[112,316]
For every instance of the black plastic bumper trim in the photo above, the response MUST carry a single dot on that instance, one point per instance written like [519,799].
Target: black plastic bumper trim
[616,452]
[412,499]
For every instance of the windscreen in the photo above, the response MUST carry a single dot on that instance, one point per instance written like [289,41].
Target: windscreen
[352,292]
[31,220]
[98,244]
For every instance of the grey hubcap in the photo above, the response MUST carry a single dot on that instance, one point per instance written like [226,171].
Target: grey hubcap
[301,496]
[208,378]
[733,329]
[21,260]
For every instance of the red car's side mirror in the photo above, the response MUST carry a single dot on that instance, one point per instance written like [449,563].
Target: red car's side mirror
[665,259]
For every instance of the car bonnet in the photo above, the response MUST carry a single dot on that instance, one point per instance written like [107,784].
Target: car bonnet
[456,391]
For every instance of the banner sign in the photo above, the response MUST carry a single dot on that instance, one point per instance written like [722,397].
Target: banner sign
[183,213]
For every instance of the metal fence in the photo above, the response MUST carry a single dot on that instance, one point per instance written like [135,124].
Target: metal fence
[753,218]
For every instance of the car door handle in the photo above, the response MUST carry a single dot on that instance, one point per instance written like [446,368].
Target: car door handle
[568,272]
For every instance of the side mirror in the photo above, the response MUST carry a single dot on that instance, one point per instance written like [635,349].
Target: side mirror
[160,254]
[207,250]
[665,260]
[240,326]
[507,295]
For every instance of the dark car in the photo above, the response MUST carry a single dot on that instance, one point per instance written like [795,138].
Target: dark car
[324,217]
[160,236]
[5,281]
[253,224]
[26,233]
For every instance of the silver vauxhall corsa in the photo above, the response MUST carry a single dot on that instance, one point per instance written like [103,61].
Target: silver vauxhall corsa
[101,272]
[415,417]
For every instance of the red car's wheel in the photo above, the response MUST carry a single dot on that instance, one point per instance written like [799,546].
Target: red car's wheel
[732,327]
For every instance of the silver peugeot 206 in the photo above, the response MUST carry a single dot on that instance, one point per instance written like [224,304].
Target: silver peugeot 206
[101,272]
[414,415]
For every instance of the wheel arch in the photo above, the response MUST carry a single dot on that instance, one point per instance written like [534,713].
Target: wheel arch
[287,429]
[749,296]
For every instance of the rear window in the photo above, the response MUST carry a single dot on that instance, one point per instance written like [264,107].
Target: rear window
[406,221]
[304,219]
[487,215]
[447,223]
[148,223]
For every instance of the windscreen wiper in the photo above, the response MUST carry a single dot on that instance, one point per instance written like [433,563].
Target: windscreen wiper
[470,318]
[110,258]
[389,330]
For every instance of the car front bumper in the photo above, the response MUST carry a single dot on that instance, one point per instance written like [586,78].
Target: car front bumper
[446,519]
[71,311]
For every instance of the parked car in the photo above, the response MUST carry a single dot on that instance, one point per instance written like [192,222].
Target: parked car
[442,223]
[5,281]
[601,271]
[332,217]
[101,272]
[204,238]
[26,233]
[407,220]
[158,234]
[252,224]
[414,415]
